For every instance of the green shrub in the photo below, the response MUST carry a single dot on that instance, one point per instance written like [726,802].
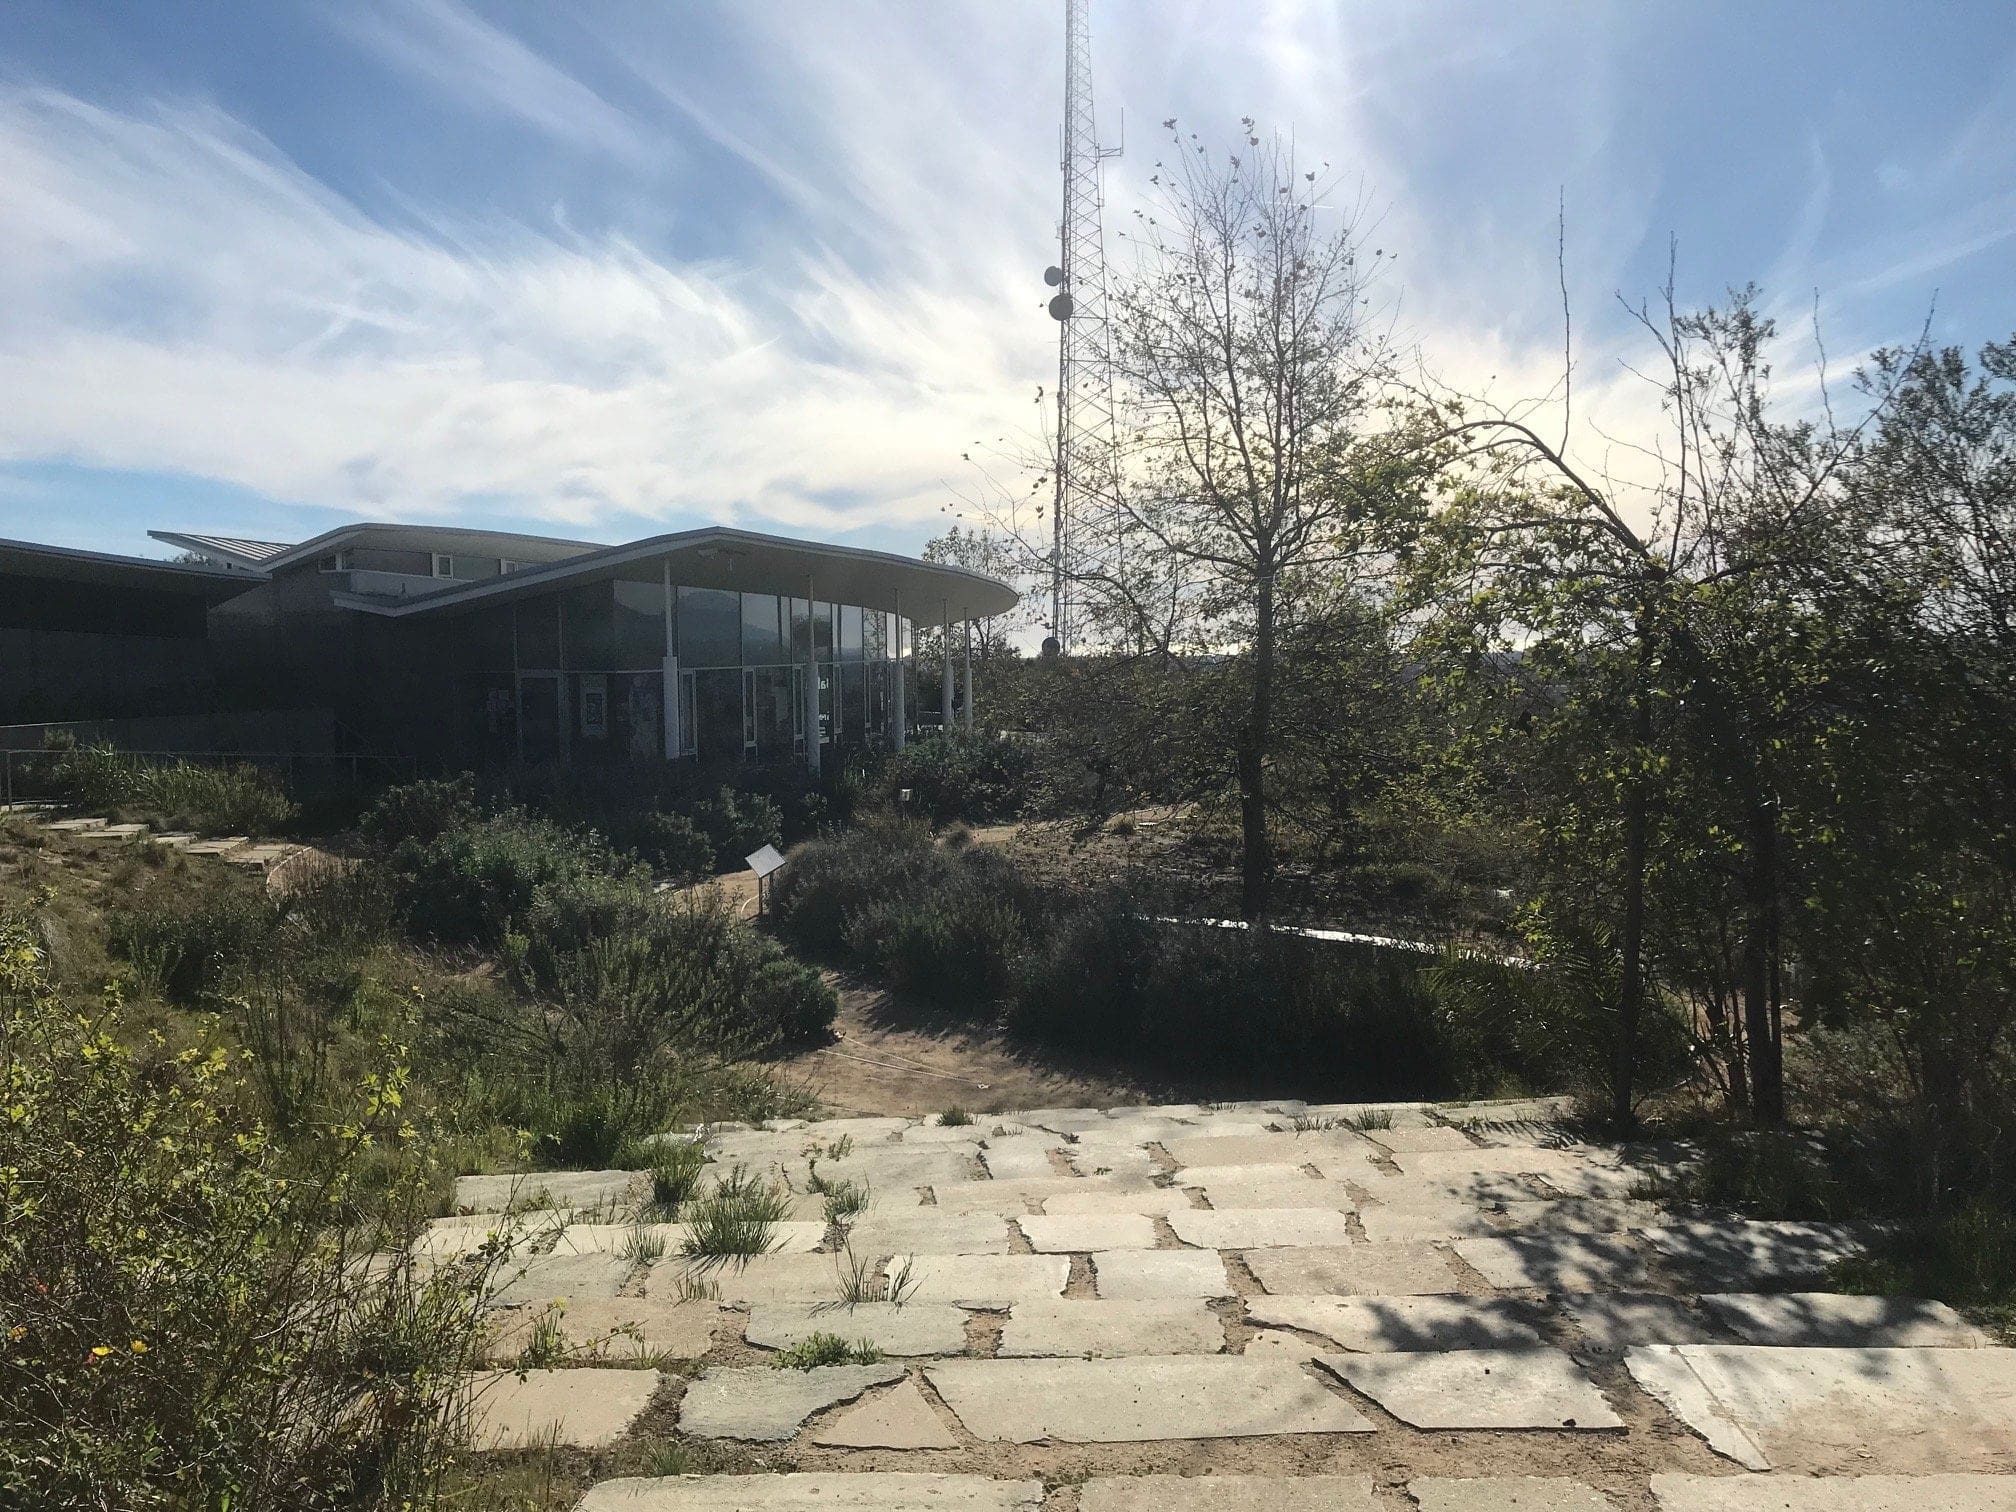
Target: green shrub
[738,824]
[672,845]
[181,1324]
[479,882]
[186,948]
[214,800]
[956,947]
[789,1003]
[737,1219]
[423,811]
[972,777]
[675,1173]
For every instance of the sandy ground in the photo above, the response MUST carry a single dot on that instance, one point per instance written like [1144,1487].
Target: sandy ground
[890,1058]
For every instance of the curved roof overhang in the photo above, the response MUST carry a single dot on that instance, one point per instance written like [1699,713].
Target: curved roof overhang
[104,569]
[718,556]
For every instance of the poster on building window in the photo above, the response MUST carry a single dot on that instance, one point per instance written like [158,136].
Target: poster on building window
[644,717]
[595,707]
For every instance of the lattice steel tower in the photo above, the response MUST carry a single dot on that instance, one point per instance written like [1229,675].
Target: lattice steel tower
[1086,463]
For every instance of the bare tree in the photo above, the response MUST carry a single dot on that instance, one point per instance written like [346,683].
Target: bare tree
[1250,374]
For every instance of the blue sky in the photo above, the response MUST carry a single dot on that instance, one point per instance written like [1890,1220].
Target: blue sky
[265,267]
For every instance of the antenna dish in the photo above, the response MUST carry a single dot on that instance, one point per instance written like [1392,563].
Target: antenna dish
[1053,276]
[1060,307]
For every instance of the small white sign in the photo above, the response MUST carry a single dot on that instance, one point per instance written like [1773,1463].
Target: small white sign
[764,861]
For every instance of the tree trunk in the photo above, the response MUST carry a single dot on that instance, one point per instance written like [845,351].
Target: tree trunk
[1767,1069]
[1637,843]
[1256,855]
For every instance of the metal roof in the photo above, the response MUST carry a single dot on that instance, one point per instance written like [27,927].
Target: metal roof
[37,560]
[254,555]
[719,556]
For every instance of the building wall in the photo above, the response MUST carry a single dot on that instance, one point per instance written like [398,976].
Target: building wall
[84,650]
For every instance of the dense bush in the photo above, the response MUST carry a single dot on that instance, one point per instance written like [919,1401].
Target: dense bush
[424,811]
[187,946]
[737,824]
[480,882]
[973,777]
[240,799]
[180,1323]
[672,845]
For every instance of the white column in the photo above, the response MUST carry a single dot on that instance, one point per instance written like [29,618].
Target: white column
[671,690]
[945,684]
[899,714]
[811,677]
[967,690]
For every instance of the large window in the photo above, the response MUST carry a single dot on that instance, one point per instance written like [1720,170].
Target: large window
[801,631]
[762,633]
[464,568]
[776,721]
[539,633]
[822,631]
[590,639]
[717,699]
[875,634]
[640,625]
[850,632]
[710,628]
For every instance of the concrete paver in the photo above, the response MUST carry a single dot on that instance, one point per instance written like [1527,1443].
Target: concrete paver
[548,1189]
[1339,1146]
[611,1328]
[1421,1221]
[1230,1493]
[918,1328]
[884,1491]
[576,1409]
[1136,1400]
[1838,1410]
[1390,1270]
[1612,1322]
[1846,1493]
[898,1419]
[1083,1326]
[553,1278]
[1507,1493]
[1260,1228]
[1733,1255]
[762,1278]
[985,1280]
[1578,1215]
[1556,1262]
[1385,1324]
[1478,1388]
[928,1231]
[1823,1318]
[786,1238]
[764,1405]
[1081,1233]
[1145,1275]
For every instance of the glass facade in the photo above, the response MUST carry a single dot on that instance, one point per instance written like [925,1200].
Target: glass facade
[578,674]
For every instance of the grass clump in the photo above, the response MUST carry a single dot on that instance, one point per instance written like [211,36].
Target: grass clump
[845,1199]
[954,1118]
[737,1219]
[237,799]
[675,1173]
[821,1349]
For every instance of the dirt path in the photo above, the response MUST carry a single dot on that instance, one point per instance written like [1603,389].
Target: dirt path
[889,1058]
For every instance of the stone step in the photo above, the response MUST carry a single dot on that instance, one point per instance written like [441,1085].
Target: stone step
[880,1491]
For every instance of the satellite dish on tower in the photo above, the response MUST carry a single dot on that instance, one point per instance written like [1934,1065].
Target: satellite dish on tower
[1060,307]
[1053,276]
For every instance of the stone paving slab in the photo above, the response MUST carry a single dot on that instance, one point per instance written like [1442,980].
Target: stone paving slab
[1835,1410]
[1366,1325]
[898,1419]
[1478,1388]
[1556,1262]
[1269,1149]
[1276,1174]
[1089,1197]
[918,1328]
[1507,1493]
[73,826]
[1149,1275]
[985,1280]
[1226,1196]
[1823,1318]
[928,1231]
[557,1278]
[1847,1493]
[1230,1493]
[1138,1400]
[1423,1221]
[1261,1228]
[1017,1195]
[1734,1255]
[112,832]
[1081,1233]
[1113,1160]
[548,1189]
[1021,1155]
[222,845]
[764,1405]
[1139,1131]
[1420,1139]
[883,1491]
[1614,1321]
[576,1409]
[1060,1120]
[893,1167]
[787,1238]
[1391,1270]
[1074,1326]
[1501,1160]
[1576,1215]
[1478,1188]
[763,1278]
[941,1134]
[612,1328]
[828,1131]
[453,1238]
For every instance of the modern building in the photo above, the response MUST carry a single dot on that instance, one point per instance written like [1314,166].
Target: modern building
[461,646]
